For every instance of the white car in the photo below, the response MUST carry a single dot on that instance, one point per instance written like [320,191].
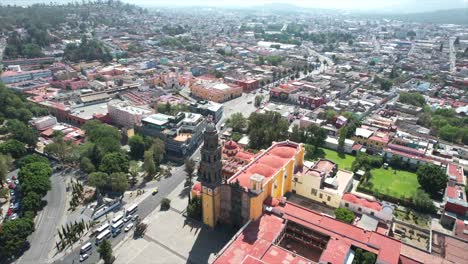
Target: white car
[127,218]
[83,257]
[8,181]
[128,227]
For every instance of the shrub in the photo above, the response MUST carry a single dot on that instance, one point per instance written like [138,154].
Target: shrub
[165,204]
[344,215]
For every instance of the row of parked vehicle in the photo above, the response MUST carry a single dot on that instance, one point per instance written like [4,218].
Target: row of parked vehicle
[108,230]
[13,184]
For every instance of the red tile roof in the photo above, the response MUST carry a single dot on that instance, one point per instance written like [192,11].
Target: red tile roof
[456,250]
[255,244]
[456,172]
[266,164]
[349,197]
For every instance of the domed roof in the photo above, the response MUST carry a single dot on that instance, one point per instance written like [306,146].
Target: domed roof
[231,145]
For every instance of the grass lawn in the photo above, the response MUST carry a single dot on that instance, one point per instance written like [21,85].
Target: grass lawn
[343,162]
[403,183]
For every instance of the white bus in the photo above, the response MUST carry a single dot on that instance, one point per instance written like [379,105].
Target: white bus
[132,209]
[117,218]
[117,225]
[85,248]
[102,228]
[104,235]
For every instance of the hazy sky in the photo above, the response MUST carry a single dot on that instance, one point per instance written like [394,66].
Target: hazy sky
[385,5]
[381,5]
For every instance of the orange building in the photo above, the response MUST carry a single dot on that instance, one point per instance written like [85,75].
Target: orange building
[212,89]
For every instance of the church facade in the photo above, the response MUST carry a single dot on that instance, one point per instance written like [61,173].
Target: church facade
[241,197]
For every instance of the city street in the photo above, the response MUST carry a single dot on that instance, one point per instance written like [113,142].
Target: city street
[144,209]
[43,239]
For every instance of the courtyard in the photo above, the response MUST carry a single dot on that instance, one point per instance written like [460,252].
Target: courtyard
[395,183]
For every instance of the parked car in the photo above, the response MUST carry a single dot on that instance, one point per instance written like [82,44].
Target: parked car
[155,191]
[16,182]
[135,217]
[14,216]
[128,227]
[11,186]
[13,177]
[116,232]
[84,257]
[127,218]
[8,181]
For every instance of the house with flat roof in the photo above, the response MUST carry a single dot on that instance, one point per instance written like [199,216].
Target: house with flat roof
[322,182]
[182,133]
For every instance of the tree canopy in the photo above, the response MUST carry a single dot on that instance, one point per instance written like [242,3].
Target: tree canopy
[431,178]
[344,215]
[266,128]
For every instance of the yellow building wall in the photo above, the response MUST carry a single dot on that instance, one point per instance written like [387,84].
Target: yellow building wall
[269,190]
[210,202]
[304,188]
[256,205]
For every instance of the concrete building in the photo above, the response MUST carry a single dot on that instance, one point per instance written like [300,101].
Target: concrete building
[182,134]
[22,76]
[214,90]
[322,182]
[124,114]
[382,211]
[208,109]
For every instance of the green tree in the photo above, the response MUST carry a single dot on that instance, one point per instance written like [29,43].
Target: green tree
[32,202]
[149,165]
[137,147]
[100,180]
[165,204]
[431,178]
[385,84]
[159,150]
[189,167]
[343,132]
[5,165]
[296,134]
[412,98]
[423,202]
[114,162]
[194,209]
[105,252]
[344,215]
[13,235]
[31,159]
[14,148]
[237,122]
[140,229]
[258,100]
[22,132]
[265,128]
[119,182]
[364,257]
[86,165]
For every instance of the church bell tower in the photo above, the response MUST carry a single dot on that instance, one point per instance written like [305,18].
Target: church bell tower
[210,175]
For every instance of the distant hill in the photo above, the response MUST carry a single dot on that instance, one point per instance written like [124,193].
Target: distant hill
[451,16]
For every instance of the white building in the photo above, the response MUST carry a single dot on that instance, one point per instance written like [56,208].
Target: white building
[126,115]
[42,123]
[382,211]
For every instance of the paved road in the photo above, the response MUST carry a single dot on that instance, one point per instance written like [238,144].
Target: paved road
[166,186]
[42,240]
